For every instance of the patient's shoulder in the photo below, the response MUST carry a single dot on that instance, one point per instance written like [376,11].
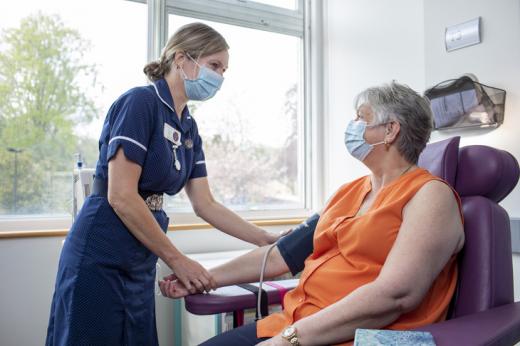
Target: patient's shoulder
[436,209]
[439,191]
[436,200]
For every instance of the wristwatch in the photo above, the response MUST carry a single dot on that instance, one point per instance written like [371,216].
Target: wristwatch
[289,334]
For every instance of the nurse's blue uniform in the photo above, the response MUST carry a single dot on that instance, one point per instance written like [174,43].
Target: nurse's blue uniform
[104,293]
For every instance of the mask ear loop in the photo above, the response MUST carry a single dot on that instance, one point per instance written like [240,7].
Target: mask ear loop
[185,76]
[196,63]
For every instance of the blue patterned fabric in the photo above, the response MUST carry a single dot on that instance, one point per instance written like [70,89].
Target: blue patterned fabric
[375,337]
[104,292]
[135,123]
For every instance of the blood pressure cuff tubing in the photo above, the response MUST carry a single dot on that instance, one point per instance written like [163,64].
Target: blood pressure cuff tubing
[297,245]
[264,307]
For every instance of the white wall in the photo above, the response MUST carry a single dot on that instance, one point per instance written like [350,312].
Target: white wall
[367,43]
[495,61]
[375,41]
[27,272]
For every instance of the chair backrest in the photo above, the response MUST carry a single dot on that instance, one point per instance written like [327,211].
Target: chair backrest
[441,159]
[485,176]
[482,176]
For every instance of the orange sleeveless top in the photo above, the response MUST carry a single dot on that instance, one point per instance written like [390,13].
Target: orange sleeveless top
[350,251]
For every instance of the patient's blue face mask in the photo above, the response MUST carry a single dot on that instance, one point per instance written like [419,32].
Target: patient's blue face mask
[355,139]
[206,85]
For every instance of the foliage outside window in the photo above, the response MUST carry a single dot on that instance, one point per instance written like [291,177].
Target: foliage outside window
[41,102]
[59,73]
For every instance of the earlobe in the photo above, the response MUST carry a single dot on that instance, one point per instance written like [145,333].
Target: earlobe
[393,132]
[178,60]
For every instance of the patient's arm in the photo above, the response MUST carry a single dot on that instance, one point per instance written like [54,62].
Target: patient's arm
[243,269]
[246,268]
[430,234]
[289,254]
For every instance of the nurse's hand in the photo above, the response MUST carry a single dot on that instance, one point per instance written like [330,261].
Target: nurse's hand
[171,287]
[192,275]
[271,238]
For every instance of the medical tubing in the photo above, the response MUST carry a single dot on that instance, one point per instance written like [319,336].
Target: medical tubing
[262,270]
[312,221]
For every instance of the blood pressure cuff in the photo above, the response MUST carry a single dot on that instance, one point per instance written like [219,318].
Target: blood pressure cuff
[297,245]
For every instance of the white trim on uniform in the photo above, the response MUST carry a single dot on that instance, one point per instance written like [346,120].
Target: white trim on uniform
[160,98]
[128,139]
[200,162]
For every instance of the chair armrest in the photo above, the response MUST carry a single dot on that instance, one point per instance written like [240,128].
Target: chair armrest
[497,326]
[232,298]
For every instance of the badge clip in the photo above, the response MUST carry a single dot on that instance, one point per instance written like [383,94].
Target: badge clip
[174,136]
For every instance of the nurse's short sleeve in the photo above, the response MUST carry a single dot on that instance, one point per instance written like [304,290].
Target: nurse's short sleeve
[199,160]
[131,125]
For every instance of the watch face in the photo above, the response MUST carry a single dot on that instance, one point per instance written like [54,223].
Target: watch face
[288,331]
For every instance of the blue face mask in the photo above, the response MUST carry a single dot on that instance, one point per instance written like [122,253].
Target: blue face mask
[355,139]
[206,85]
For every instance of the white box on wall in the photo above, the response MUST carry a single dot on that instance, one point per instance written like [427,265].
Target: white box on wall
[462,35]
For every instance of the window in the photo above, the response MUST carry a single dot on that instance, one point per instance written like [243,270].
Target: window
[253,128]
[289,4]
[62,64]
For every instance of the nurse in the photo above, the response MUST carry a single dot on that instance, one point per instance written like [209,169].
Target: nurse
[149,145]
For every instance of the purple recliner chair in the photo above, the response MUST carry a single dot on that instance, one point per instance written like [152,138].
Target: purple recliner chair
[483,311]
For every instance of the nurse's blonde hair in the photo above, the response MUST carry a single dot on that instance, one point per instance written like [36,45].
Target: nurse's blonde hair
[195,39]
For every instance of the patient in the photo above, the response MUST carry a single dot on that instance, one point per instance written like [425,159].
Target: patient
[383,253]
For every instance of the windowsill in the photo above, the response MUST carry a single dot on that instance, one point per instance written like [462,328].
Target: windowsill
[33,226]
[53,222]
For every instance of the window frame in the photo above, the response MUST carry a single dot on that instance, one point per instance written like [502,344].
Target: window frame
[250,14]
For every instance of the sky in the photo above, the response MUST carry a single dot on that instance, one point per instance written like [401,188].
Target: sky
[262,67]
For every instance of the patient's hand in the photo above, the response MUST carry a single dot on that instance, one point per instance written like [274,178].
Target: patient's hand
[171,287]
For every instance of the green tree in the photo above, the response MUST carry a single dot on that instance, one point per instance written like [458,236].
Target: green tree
[44,85]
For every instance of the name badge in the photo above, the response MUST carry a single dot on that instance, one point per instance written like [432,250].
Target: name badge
[172,134]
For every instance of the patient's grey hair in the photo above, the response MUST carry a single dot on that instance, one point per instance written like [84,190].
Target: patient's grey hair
[398,102]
